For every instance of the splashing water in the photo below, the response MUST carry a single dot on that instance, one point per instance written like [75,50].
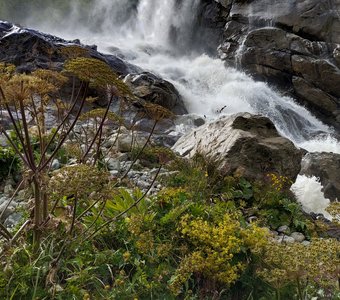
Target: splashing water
[308,191]
[149,33]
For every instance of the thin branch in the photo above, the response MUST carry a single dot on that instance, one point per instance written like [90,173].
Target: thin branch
[88,209]
[99,129]
[126,210]
[62,123]
[141,150]
[27,136]
[10,200]
[16,148]
[41,167]
[16,129]
[17,234]
[4,232]
[74,214]
[97,217]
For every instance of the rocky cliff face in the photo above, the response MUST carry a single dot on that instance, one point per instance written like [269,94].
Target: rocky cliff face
[292,44]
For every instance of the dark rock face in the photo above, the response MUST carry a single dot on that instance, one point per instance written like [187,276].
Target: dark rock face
[243,144]
[294,45]
[156,90]
[325,166]
[30,49]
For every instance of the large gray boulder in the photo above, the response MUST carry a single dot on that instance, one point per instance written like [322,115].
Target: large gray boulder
[294,45]
[326,167]
[243,144]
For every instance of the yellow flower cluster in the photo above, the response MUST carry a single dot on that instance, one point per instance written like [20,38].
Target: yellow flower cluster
[279,182]
[317,263]
[216,247]
[334,210]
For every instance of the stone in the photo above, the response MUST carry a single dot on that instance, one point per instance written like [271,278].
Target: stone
[126,142]
[8,189]
[324,166]
[55,164]
[284,239]
[283,229]
[298,236]
[243,144]
[6,211]
[306,243]
[151,88]
[112,164]
[13,219]
[114,173]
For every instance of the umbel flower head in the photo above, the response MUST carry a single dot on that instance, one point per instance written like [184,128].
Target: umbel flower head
[97,73]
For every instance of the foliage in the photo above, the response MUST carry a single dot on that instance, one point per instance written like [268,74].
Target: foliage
[218,249]
[9,162]
[312,268]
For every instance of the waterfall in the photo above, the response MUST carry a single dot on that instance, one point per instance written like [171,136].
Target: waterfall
[148,33]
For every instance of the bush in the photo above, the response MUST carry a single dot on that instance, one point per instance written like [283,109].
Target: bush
[9,162]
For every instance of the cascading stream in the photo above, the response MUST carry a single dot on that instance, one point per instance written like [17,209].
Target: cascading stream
[150,33]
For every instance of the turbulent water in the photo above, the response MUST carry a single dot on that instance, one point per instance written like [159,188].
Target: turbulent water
[157,35]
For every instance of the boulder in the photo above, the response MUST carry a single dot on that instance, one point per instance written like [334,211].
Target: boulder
[30,49]
[154,89]
[244,144]
[324,166]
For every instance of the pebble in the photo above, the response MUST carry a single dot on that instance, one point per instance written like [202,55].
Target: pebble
[55,164]
[8,189]
[285,239]
[283,229]
[114,173]
[113,164]
[298,236]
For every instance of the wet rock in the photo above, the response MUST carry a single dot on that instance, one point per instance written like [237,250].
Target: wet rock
[151,88]
[243,144]
[325,166]
[293,45]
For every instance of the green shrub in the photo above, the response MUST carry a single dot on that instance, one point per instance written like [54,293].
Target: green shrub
[9,162]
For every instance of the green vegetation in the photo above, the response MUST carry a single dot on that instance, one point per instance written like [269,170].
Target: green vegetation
[90,236]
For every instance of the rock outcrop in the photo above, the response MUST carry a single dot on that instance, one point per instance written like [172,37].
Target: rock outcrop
[293,44]
[324,166]
[243,144]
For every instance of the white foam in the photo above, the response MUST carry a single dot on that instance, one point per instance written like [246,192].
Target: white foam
[309,194]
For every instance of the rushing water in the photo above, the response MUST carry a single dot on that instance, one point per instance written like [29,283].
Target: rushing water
[157,35]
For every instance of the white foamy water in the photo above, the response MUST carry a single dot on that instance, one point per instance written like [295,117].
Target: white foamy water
[308,191]
[152,33]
